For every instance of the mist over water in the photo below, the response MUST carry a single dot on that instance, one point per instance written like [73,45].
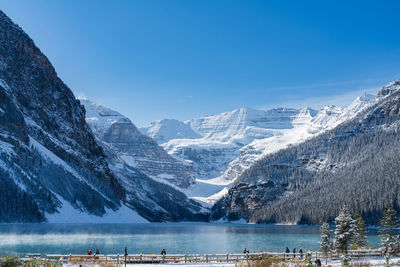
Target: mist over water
[19,239]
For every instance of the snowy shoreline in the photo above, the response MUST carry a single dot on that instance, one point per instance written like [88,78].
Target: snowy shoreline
[378,262]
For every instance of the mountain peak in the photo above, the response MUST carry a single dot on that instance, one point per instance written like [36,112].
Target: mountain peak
[101,118]
[308,111]
[166,129]
[389,89]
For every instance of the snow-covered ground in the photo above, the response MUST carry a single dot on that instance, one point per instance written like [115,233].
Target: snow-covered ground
[365,262]
[68,214]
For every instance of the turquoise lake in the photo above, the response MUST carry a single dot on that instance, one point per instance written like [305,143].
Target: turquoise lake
[19,239]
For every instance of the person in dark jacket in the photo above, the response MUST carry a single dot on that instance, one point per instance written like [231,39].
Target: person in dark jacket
[301,253]
[287,250]
[294,253]
[318,262]
[163,252]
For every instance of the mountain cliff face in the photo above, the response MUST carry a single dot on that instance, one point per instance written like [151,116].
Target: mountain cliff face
[352,163]
[48,153]
[52,167]
[137,150]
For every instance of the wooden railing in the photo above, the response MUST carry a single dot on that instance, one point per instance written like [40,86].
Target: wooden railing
[118,259]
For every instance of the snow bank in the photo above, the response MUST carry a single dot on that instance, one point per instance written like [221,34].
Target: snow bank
[68,214]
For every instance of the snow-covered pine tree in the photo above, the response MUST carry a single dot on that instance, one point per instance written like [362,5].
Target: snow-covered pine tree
[344,232]
[360,234]
[325,243]
[389,239]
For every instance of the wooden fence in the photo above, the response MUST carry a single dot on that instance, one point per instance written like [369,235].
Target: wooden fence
[118,259]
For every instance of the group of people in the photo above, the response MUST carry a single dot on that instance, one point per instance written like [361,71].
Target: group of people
[294,252]
[89,252]
[317,261]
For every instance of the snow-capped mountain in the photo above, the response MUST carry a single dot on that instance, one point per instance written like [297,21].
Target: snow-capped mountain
[167,129]
[52,167]
[137,150]
[353,162]
[230,142]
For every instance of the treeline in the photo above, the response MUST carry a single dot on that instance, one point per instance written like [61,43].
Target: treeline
[16,205]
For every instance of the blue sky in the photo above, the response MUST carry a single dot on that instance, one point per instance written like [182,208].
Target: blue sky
[181,59]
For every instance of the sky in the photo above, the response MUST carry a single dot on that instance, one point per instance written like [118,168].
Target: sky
[151,59]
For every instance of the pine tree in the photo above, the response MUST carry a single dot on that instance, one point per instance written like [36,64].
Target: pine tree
[325,243]
[308,259]
[388,224]
[344,232]
[360,234]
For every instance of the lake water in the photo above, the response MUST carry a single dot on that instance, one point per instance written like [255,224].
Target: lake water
[19,239]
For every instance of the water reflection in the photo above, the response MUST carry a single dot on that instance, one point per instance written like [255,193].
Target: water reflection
[151,238]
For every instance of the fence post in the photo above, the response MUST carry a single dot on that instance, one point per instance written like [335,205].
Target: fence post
[126,254]
[185,258]
[207,258]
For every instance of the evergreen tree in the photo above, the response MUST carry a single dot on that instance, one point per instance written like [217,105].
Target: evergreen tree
[308,262]
[344,232]
[388,224]
[325,243]
[360,234]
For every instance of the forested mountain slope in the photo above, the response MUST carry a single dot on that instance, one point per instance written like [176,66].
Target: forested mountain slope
[356,163]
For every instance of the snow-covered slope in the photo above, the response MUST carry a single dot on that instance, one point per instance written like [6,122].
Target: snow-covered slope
[232,141]
[167,129]
[137,150]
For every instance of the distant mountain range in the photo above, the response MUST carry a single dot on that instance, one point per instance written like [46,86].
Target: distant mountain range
[64,159]
[220,147]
